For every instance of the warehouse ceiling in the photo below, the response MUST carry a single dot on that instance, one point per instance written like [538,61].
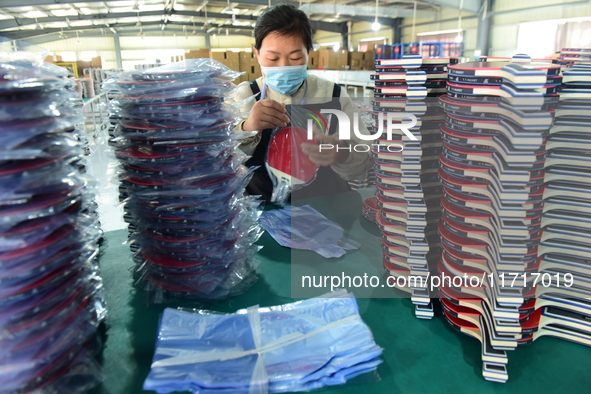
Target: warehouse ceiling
[48,20]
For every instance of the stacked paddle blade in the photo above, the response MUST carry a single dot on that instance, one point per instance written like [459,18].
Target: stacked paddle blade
[498,116]
[50,291]
[563,286]
[406,162]
[295,347]
[370,208]
[182,180]
[580,57]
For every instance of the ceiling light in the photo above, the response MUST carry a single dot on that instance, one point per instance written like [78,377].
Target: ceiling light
[459,38]
[375,26]
[136,8]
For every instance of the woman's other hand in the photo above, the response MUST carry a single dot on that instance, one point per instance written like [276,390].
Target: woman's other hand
[266,114]
[326,153]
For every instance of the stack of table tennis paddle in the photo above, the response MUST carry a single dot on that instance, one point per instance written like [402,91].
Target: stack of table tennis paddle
[50,290]
[498,116]
[191,228]
[564,287]
[408,188]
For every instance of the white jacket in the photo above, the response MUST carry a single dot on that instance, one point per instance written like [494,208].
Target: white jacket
[319,90]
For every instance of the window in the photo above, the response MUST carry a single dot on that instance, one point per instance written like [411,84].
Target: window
[87,56]
[68,56]
[537,39]
[365,46]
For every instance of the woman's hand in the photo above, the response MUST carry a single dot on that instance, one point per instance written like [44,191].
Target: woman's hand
[325,153]
[266,114]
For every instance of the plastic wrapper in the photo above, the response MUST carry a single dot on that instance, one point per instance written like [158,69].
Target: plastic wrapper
[174,95]
[201,261]
[187,74]
[28,105]
[50,292]
[182,181]
[18,134]
[305,228]
[288,166]
[287,348]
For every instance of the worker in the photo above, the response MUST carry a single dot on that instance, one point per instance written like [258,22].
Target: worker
[283,40]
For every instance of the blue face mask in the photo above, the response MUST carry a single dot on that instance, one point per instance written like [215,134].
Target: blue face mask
[285,80]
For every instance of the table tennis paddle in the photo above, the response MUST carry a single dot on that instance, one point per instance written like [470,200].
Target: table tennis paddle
[289,167]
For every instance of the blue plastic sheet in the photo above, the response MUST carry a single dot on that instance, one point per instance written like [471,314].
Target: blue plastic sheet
[294,347]
[306,228]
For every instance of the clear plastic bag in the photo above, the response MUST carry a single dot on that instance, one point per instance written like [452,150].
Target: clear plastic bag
[30,105]
[208,259]
[287,348]
[305,228]
[187,74]
[288,166]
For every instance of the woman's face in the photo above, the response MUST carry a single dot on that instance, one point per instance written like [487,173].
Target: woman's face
[280,51]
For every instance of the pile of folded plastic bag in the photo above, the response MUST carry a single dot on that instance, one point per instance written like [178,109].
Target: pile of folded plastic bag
[182,181]
[50,291]
[294,347]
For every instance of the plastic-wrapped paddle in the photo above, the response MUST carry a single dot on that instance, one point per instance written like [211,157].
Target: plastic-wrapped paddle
[289,167]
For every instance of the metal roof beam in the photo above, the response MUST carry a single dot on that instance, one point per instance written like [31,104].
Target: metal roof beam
[21,3]
[360,10]
[24,34]
[13,23]
[471,6]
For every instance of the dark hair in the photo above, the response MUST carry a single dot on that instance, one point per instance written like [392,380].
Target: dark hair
[286,20]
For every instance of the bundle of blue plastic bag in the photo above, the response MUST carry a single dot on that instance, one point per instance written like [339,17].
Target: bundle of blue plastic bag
[300,346]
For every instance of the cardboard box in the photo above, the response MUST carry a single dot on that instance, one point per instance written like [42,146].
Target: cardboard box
[355,64]
[368,60]
[356,55]
[327,59]
[313,59]
[49,59]
[342,60]
[96,62]
[197,54]
[82,65]
[255,69]
[356,60]
[255,74]
[252,77]
[58,59]
[229,58]
[247,61]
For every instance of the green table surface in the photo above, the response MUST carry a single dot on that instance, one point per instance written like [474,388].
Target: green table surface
[420,356]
